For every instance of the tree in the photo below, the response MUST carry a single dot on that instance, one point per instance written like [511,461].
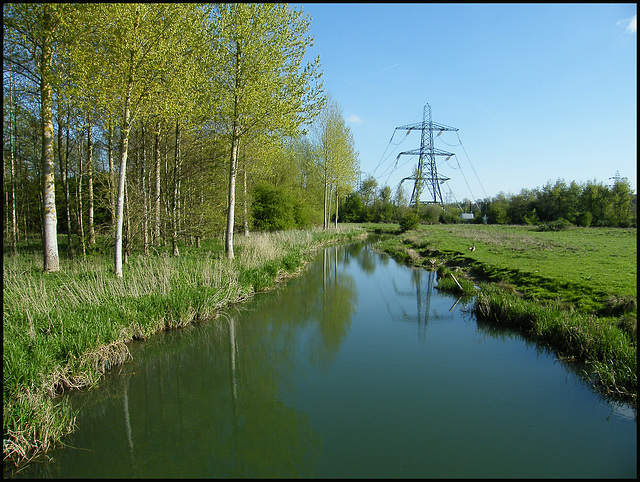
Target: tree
[128,58]
[36,30]
[409,221]
[353,210]
[368,190]
[497,210]
[260,79]
[400,202]
[622,197]
[338,159]
[382,206]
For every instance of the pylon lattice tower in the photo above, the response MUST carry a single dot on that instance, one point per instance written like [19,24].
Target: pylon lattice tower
[427,170]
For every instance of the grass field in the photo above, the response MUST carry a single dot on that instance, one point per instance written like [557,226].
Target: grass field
[584,266]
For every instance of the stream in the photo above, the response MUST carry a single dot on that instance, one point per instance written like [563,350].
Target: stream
[359,367]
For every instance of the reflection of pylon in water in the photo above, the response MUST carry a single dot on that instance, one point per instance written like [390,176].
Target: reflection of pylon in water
[426,170]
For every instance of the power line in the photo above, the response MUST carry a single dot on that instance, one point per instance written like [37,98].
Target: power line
[465,178]
[385,151]
[474,171]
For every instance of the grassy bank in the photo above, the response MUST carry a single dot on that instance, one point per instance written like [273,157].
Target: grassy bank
[63,330]
[574,290]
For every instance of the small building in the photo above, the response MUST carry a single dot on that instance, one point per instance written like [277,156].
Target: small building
[467,216]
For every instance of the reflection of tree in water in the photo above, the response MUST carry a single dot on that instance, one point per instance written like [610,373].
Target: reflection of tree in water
[339,298]
[204,401]
[368,260]
[269,438]
[200,402]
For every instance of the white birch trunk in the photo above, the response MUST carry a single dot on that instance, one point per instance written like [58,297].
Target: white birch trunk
[157,193]
[232,197]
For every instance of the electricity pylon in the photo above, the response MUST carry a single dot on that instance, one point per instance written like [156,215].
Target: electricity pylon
[427,155]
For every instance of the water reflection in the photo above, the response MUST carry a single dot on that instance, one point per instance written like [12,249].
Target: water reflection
[327,377]
[339,302]
[209,409]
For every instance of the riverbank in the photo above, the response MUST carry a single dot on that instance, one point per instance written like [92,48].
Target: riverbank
[574,291]
[64,330]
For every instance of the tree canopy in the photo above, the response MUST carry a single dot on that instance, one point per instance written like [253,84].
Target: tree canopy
[145,123]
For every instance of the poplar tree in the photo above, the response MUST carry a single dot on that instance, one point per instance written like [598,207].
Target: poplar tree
[126,56]
[37,30]
[261,80]
[338,158]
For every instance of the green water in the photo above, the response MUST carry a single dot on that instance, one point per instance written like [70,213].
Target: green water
[358,368]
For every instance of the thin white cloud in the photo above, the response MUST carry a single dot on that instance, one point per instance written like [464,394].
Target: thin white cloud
[389,68]
[354,118]
[631,24]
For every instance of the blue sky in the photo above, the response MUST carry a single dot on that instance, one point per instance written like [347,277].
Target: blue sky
[538,92]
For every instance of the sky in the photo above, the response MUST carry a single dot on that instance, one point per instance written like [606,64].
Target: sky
[538,92]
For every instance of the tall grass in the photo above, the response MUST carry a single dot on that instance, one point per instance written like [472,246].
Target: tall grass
[596,341]
[63,330]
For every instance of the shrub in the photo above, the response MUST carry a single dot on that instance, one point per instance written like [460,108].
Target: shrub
[557,225]
[409,221]
[273,208]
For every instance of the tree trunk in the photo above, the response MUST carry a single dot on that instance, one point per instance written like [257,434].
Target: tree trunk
[167,199]
[157,193]
[126,245]
[329,198]
[246,218]
[63,157]
[145,200]
[12,119]
[50,220]
[324,219]
[235,138]
[232,196]
[79,197]
[112,200]
[336,207]
[176,176]
[126,129]
[92,233]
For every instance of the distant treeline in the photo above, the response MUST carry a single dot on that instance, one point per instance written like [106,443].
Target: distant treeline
[553,206]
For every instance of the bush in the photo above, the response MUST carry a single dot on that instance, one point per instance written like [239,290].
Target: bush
[273,208]
[557,225]
[430,213]
[409,221]
[584,219]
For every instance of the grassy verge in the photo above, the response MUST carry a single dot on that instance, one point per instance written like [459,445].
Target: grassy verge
[574,290]
[63,330]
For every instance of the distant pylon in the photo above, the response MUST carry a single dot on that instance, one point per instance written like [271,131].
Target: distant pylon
[427,155]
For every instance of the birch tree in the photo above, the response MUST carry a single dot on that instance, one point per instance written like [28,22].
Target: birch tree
[262,82]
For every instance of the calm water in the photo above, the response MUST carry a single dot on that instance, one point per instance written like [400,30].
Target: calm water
[358,368]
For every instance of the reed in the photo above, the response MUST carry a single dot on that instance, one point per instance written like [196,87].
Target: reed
[63,330]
